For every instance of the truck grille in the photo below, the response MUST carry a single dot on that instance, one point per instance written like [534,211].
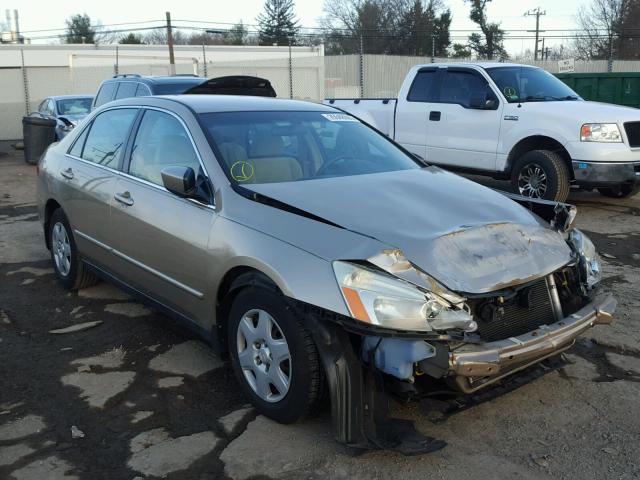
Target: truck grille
[529,310]
[633,133]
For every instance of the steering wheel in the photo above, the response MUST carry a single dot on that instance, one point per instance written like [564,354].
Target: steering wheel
[325,169]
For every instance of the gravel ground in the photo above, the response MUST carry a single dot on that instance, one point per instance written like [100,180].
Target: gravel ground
[97,386]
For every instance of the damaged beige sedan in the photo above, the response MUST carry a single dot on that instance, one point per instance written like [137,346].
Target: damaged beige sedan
[318,255]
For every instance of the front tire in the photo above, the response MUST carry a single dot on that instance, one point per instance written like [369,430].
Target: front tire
[69,269]
[619,191]
[273,356]
[541,174]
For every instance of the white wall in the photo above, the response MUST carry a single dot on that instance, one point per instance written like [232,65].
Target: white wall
[79,69]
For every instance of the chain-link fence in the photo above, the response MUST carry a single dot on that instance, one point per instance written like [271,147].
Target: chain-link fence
[310,76]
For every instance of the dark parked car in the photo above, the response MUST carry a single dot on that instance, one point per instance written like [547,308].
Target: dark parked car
[67,110]
[134,85]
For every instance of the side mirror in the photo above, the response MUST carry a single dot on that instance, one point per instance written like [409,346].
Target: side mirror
[489,104]
[484,101]
[179,180]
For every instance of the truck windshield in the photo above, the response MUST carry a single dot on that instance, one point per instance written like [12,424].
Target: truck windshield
[529,84]
[285,146]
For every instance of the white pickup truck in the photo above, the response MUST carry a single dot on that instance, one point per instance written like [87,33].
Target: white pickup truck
[512,122]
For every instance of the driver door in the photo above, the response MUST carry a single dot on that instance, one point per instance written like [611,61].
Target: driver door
[461,134]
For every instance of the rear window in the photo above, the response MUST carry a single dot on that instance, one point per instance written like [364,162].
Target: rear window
[174,88]
[105,94]
[126,90]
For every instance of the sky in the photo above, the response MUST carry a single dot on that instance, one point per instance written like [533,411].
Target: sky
[47,14]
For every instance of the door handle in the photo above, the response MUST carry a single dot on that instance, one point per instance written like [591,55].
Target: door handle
[68,173]
[434,116]
[124,198]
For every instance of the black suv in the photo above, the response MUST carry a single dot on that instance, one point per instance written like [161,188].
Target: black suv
[134,85]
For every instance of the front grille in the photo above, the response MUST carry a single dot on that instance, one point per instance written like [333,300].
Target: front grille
[527,311]
[633,133]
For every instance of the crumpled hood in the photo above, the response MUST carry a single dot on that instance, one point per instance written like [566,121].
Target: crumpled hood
[468,237]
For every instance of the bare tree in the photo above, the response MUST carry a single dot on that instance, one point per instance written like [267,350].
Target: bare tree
[387,26]
[602,22]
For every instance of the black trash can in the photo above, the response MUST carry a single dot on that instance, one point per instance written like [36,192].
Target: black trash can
[38,133]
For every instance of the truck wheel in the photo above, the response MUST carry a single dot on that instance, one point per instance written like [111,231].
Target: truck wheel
[273,356]
[541,174]
[69,269]
[619,191]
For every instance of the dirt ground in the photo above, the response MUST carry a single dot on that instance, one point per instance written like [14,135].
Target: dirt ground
[128,393]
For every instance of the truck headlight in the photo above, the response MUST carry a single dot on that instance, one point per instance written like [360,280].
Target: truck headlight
[380,299]
[589,260]
[600,132]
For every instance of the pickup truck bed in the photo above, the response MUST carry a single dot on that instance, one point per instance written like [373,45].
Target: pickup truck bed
[378,112]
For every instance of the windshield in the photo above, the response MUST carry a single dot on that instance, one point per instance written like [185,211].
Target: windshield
[527,84]
[74,106]
[269,147]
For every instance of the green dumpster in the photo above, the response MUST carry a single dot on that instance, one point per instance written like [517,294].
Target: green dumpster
[621,88]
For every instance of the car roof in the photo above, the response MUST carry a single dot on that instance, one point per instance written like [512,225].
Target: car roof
[227,103]
[159,80]
[476,64]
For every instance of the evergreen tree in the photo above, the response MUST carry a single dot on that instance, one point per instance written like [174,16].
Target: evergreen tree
[79,29]
[278,24]
[237,35]
[131,39]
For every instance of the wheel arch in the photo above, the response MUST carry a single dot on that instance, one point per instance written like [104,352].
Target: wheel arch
[539,142]
[232,282]
[50,207]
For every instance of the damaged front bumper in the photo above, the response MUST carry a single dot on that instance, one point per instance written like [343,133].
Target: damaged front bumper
[474,366]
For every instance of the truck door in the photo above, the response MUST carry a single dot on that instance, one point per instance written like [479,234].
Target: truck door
[464,121]
[412,113]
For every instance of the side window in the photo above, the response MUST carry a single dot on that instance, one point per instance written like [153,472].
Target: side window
[107,136]
[421,88]
[76,149]
[142,90]
[106,93]
[126,90]
[460,87]
[161,142]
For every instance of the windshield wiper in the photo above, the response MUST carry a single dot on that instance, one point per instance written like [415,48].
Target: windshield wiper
[542,98]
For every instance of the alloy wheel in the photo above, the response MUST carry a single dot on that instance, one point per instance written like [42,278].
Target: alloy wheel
[532,181]
[61,248]
[263,354]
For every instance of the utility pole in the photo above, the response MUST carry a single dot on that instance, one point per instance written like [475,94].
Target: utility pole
[172,60]
[537,12]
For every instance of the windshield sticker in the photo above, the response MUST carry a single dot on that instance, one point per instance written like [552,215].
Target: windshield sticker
[242,171]
[338,117]
[509,92]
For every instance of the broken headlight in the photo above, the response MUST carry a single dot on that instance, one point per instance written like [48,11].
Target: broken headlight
[588,259]
[380,299]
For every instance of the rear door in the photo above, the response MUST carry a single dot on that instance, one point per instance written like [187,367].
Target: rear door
[161,239]
[88,176]
[461,134]
[411,120]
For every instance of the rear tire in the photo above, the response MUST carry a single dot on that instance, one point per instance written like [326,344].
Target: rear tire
[68,266]
[619,191]
[263,329]
[541,174]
